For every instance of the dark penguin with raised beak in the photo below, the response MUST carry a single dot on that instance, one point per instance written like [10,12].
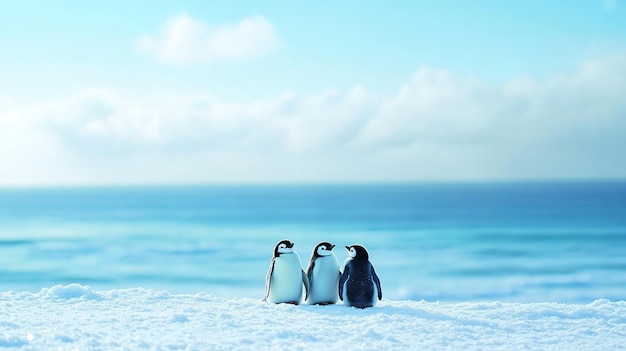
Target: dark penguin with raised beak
[285,277]
[359,285]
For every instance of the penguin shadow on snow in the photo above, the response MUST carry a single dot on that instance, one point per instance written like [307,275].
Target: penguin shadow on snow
[323,283]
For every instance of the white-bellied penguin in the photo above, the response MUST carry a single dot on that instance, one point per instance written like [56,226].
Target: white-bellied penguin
[323,273]
[285,276]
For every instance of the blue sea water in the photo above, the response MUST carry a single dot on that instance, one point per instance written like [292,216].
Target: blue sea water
[528,242]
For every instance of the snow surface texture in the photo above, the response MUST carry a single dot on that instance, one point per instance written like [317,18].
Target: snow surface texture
[75,317]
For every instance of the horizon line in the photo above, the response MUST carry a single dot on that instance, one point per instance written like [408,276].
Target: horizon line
[311,183]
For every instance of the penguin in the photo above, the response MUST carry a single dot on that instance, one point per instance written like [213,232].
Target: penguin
[359,285]
[285,276]
[323,273]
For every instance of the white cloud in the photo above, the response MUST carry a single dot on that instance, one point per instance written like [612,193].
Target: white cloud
[184,40]
[438,125]
[434,106]
[287,123]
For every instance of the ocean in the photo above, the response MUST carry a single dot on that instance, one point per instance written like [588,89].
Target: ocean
[518,242]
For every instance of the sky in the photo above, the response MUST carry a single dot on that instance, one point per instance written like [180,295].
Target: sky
[188,92]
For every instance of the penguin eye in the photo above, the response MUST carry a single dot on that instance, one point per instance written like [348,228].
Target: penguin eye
[282,246]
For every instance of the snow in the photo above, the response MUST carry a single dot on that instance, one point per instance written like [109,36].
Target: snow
[75,317]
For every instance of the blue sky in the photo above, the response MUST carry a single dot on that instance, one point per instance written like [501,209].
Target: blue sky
[272,92]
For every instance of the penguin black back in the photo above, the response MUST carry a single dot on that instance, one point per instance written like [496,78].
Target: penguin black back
[359,285]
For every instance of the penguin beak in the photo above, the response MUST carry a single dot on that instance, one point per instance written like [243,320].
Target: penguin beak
[290,245]
[332,246]
[348,248]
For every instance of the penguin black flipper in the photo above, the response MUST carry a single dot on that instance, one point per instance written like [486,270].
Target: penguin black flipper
[307,285]
[377,282]
[342,280]
[268,279]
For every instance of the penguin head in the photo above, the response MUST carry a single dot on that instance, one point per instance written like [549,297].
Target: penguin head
[283,246]
[357,252]
[323,249]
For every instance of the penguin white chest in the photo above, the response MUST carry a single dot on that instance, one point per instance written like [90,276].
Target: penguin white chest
[286,279]
[324,280]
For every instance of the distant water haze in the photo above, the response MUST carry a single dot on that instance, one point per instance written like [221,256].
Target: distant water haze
[529,242]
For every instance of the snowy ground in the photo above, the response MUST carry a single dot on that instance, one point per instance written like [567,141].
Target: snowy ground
[75,317]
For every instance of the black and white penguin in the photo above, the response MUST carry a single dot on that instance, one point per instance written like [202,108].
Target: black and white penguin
[323,273]
[285,276]
[359,285]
